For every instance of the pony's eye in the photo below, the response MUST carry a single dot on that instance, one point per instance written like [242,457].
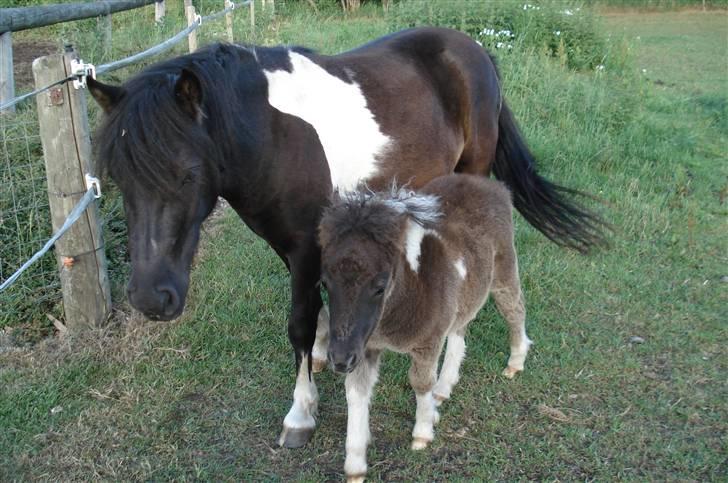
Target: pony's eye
[378,292]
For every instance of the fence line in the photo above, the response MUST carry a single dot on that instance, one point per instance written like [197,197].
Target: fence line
[79,73]
[23,18]
[111,66]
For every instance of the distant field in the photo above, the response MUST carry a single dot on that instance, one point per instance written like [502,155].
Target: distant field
[203,398]
[684,50]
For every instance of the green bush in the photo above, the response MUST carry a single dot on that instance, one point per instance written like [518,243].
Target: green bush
[566,32]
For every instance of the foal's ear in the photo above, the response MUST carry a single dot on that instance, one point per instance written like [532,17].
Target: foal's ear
[188,92]
[106,95]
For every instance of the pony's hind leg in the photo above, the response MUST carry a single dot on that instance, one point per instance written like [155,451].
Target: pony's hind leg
[422,375]
[321,346]
[509,300]
[450,372]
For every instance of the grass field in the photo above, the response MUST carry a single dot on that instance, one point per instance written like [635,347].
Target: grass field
[203,398]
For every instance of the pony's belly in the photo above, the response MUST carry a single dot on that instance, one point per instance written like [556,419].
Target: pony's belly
[350,135]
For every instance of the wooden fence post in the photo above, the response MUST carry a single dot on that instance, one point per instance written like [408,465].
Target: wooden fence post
[229,22]
[191,15]
[107,27]
[252,16]
[7,83]
[159,10]
[64,132]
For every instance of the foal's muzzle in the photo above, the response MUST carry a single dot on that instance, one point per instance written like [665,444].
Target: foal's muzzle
[343,362]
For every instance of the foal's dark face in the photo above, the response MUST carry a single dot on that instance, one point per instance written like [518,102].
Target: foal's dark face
[357,276]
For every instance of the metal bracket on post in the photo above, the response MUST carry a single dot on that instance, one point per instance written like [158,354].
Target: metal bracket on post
[82,70]
[93,182]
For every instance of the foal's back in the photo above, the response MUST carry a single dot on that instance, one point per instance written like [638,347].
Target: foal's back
[477,232]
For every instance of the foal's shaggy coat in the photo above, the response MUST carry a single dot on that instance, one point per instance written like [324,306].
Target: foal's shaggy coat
[406,270]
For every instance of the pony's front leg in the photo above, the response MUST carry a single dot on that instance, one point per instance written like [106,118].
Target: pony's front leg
[422,375]
[321,346]
[359,386]
[300,422]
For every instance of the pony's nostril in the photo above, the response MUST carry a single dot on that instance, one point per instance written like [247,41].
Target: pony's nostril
[351,362]
[169,300]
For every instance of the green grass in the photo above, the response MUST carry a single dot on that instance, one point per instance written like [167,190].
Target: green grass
[204,397]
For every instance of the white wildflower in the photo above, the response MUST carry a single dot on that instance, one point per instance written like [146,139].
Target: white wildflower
[528,6]
[600,67]
[488,32]
[567,12]
[479,42]
[644,71]
[503,45]
[557,32]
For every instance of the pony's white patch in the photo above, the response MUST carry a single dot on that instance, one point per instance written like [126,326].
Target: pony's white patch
[425,418]
[349,134]
[413,243]
[305,401]
[460,267]
[450,372]
[520,351]
[359,385]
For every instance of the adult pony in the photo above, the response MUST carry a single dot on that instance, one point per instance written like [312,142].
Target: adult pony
[275,130]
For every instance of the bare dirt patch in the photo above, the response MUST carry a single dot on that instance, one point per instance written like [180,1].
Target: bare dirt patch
[24,52]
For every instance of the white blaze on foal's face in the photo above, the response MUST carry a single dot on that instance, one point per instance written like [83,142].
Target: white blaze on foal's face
[349,134]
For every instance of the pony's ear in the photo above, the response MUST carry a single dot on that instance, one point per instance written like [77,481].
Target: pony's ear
[107,96]
[188,92]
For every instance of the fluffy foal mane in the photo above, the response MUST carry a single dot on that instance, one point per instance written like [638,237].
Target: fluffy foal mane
[377,215]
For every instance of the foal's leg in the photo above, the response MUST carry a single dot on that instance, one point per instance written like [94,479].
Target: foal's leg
[450,372]
[299,424]
[359,385]
[422,375]
[321,346]
[509,300]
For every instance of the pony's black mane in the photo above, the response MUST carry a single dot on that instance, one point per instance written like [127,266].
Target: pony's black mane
[139,141]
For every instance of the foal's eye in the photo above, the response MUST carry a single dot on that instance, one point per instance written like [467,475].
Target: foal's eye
[378,292]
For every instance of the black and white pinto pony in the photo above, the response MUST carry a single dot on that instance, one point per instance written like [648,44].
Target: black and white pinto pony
[275,131]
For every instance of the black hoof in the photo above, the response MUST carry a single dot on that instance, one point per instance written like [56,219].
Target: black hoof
[295,437]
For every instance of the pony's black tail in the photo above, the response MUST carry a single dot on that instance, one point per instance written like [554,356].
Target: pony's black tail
[543,204]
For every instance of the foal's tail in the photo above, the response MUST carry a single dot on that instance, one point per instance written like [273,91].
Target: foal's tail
[543,204]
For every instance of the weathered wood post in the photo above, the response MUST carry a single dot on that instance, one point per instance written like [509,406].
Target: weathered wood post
[229,22]
[64,133]
[106,23]
[7,83]
[191,16]
[159,10]
[252,16]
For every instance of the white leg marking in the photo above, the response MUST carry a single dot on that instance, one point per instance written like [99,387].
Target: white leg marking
[305,401]
[359,385]
[321,345]
[425,419]
[450,372]
[349,134]
[519,352]
[460,267]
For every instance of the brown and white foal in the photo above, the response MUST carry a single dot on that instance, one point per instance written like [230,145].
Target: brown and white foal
[406,270]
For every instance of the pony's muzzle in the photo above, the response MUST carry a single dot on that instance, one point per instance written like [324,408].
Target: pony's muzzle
[160,302]
[342,361]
